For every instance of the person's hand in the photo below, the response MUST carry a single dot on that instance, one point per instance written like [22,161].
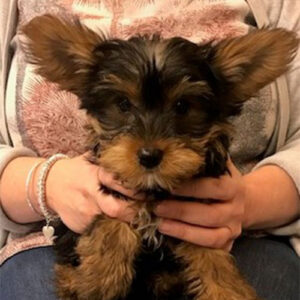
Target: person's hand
[214,225]
[72,191]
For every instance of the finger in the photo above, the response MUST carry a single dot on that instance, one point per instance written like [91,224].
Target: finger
[235,229]
[228,246]
[231,167]
[206,237]
[196,213]
[116,208]
[221,188]
[108,180]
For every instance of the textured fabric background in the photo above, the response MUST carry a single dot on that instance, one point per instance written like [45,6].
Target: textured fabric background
[49,120]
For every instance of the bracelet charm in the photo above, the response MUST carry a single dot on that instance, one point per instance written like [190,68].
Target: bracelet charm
[48,230]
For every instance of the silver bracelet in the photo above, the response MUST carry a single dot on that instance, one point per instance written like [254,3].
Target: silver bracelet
[27,185]
[48,231]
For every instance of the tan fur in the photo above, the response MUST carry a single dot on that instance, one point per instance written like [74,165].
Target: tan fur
[61,49]
[127,88]
[254,60]
[94,128]
[164,282]
[212,275]
[211,138]
[179,162]
[66,281]
[107,251]
[188,87]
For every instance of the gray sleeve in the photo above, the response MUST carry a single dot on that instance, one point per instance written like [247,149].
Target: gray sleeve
[288,156]
[8,21]
[286,14]
[8,15]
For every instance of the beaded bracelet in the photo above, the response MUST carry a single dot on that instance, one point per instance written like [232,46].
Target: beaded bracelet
[48,230]
[27,185]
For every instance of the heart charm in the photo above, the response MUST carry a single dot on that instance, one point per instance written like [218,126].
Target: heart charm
[48,232]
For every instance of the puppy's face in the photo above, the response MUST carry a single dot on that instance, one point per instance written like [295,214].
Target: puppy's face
[158,108]
[153,107]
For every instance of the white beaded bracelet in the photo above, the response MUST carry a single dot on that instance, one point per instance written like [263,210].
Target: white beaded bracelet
[27,185]
[48,231]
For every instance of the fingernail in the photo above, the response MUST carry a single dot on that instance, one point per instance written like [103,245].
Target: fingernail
[163,226]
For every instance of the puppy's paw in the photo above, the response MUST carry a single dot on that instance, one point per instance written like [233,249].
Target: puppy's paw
[106,251]
[66,279]
[216,291]
[211,274]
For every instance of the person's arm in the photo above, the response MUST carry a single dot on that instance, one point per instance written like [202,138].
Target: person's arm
[72,191]
[8,21]
[74,199]
[272,198]
[13,190]
[287,157]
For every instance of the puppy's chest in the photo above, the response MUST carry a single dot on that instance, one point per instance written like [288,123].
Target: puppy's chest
[145,222]
[150,265]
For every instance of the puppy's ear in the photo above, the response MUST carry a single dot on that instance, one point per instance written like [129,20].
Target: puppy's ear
[246,64]
[61,49]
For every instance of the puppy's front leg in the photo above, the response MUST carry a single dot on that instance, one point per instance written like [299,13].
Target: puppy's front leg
[212,275]
[107,251]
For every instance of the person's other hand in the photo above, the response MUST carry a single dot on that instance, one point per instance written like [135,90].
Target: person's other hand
[216,224]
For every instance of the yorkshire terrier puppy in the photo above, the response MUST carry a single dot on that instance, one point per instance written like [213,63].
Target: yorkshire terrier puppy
[159,114]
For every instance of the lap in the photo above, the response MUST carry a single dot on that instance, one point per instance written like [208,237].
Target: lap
[270,266]
[28,276]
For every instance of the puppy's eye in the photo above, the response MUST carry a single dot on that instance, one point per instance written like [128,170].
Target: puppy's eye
[124,104]
[181,107]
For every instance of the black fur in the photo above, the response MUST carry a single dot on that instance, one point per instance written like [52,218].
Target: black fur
[148,90]
[154,117]
[130,61]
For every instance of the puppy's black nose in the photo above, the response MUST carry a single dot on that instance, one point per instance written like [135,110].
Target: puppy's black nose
[150,157]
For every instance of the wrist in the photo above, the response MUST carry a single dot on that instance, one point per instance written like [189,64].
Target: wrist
[46,175]
[247,221]
[15,189]
[52,183]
